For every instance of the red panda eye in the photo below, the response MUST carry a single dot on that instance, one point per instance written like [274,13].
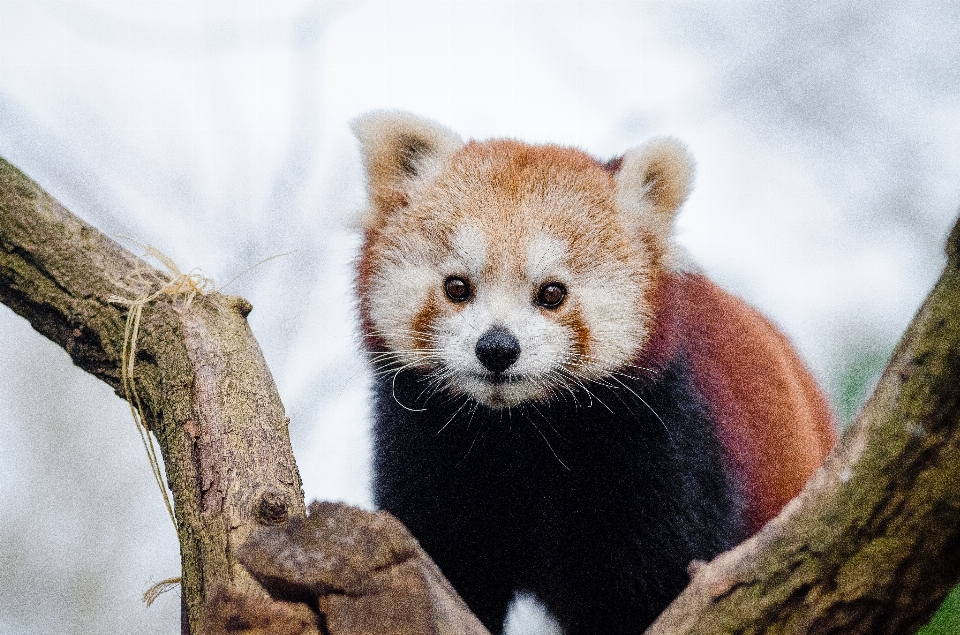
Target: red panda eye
[457,289]
[552,295]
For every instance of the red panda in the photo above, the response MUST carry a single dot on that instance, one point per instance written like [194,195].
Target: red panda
[562,406]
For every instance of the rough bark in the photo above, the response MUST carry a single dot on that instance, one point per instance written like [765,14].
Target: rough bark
[207,395]
[205,389]
[362,571]
[872,545]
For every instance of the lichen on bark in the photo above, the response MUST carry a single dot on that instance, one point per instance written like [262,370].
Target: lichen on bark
[872,545]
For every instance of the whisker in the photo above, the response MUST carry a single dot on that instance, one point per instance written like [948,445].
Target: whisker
[584,387]
[547,441]
[649,407]
[393,391]
[414,351]
[574,356]
[564,383]
[387,363]
[477,436]
[435,381]
[454,415]
[388,369]
[547,421]
[377,333]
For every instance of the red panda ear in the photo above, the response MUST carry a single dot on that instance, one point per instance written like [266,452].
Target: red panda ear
[402,152]
[652,183]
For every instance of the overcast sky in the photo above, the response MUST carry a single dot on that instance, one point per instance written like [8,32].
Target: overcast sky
[826,136]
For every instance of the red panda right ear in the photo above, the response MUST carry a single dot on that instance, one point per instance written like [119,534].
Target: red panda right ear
[653,181]
[402,153]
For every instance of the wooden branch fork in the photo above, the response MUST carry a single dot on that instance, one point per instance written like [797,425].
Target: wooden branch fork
[872,545]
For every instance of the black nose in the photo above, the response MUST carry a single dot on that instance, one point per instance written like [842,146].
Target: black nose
[497,349]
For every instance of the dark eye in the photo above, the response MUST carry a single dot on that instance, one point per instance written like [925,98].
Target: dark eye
[457,289]
[551,295]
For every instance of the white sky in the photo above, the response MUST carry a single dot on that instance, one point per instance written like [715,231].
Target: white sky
[826,136]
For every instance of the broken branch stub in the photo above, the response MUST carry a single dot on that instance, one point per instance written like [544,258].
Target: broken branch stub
[872,545]
[362,572]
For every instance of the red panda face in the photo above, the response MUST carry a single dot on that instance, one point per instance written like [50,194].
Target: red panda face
[507,272]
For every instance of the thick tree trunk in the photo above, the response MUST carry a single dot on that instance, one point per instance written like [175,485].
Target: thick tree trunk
[872,545]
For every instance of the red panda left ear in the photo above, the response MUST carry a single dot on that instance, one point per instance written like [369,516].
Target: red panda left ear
[402,153]
[652,183]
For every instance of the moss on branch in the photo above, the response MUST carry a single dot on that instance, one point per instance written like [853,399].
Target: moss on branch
[872,545]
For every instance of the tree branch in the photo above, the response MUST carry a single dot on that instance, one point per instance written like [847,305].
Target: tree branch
[872,545]
[206,392]
[363,571]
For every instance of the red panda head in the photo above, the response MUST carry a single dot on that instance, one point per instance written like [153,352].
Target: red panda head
[511,272]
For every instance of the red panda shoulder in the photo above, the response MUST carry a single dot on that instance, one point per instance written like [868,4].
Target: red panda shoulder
[772,420]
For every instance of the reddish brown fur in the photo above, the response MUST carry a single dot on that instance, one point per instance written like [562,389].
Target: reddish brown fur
[494,176]
[574,321]
[773,421]
[514,192]
[372,340]
[421,326]
[515,171]
[613,165]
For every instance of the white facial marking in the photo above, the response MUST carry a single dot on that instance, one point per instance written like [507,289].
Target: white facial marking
[544,255]
[542,344]
[400,288]
[393,313]
[606,295]
[609,304]
[470,249]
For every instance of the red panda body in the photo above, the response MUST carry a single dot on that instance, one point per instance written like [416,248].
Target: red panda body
[757,388]
[561,406]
